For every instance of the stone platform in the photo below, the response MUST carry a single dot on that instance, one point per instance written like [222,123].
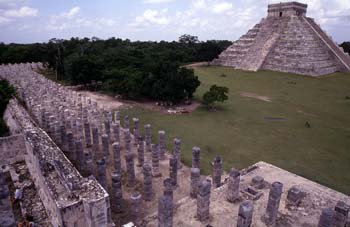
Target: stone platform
[224,213]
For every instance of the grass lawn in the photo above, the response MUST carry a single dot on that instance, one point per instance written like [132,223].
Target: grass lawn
[246,130]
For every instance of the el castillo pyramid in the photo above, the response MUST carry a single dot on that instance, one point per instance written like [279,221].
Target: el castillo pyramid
[286,41]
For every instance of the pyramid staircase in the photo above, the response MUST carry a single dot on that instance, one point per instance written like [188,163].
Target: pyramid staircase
[293,43]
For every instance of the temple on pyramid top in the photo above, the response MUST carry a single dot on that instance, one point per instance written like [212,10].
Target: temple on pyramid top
[286,41]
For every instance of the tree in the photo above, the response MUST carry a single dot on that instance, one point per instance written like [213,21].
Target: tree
[188,39]
[346,47]
[215,94]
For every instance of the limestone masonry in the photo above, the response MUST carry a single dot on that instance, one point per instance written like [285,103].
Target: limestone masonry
[286,41]
[78,166]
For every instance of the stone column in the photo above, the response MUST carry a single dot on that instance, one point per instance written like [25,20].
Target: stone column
[161,135]
[340,215]
[7,216]
[233,186]
[136,131]
[165,211]
[64,139]
[87,134]
[116,156]
[217,171]
[326,218]
[116,132]
[136,208]
[107,127]
[195,157]
[101,173]
[168,187]
[130,169]
[127,139]
[140,152]
[147,182]
[71,147]
[148,137]
[177,152]
[105,146]
[203,201]
[57,134]
[126,122]
[155,161]
[117,117]
[117,193]
[95,140]
[273,203]
[195,180]
[89,162]
[245,214]
[173,169]
[80,154]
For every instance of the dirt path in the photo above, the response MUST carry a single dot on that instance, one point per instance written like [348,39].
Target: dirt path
[255,96]
[105,100]
[114,103]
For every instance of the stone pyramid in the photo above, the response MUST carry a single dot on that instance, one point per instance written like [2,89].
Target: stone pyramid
[286,41]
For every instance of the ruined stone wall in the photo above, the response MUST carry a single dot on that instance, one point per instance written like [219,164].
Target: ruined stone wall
[12,149]
[65,207]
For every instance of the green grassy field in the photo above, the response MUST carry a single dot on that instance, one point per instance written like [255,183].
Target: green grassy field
[243,134]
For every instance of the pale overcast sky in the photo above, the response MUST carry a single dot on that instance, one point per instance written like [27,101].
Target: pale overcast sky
[27,21]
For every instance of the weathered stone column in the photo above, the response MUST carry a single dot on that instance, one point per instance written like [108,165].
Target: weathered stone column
[168,187]
[116,156]
[155,161]
[95,140]
[87,132]
[127,139]
[57,134]
[195,180]
[116,132]
[148,137]
[340,215]
[101,173]
[161,135]
[173,169]
[117,117]
[107,127]
[71,147]
[7,216]
[130,169]
[64,139]
[126,122]
[233,186]
[147,182]
[136,131]
[177,152]
[203,201]
[326,218]
[165,211]
[80,154]
[105,146]
[245,214]
[273,203]
[136,208]
[89,162]
[117,193]
[217,171]
[140,152]
[195,157]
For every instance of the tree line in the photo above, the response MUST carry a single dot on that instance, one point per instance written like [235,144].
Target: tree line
[131,69]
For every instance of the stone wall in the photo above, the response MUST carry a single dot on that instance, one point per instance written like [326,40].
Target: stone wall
[87,204]
[12,149]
